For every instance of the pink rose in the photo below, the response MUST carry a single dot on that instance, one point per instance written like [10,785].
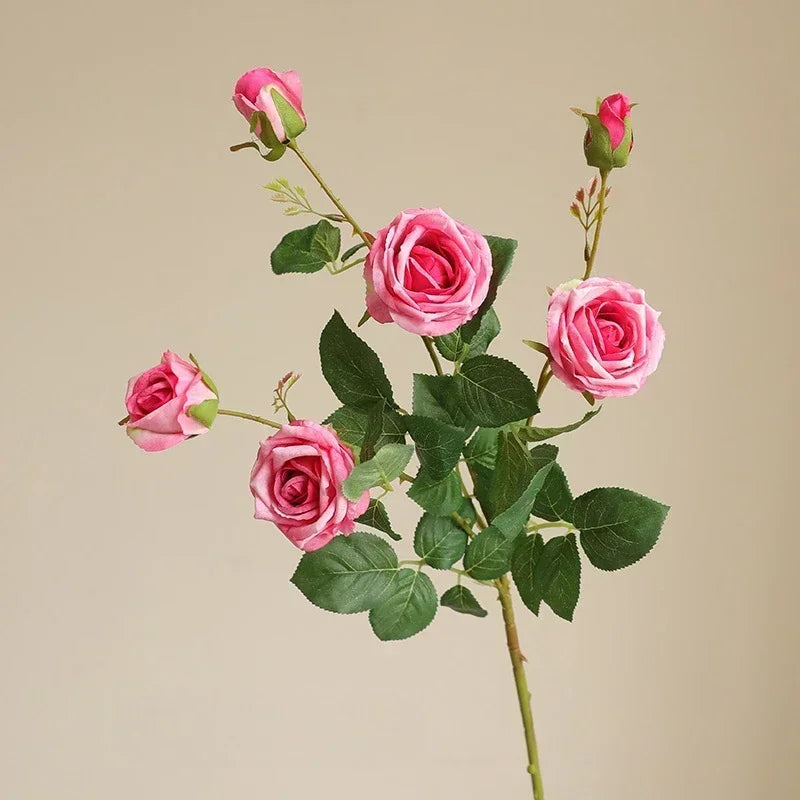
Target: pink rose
[297,484]
[169,403]
[603,337]
[278,94]
[613,112]
[427,272]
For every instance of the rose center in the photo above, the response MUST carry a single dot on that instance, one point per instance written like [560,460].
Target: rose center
[428,270]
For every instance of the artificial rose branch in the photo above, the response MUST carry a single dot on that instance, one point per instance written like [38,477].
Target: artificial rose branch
[437,278]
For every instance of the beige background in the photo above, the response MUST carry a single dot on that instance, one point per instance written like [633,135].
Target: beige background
[151,645]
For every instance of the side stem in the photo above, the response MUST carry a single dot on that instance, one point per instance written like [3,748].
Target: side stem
[600,211]
[292,145]
[521,681]
[242,415]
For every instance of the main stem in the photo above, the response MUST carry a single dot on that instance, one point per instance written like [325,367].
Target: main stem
[521,681]
[600,212]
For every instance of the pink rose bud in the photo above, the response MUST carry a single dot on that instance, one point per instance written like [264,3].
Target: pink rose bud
[279,95]
[427,272]
[297,484]
[603,337]
[169,403]
[609,137]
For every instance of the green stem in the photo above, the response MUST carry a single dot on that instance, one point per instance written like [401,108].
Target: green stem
[242,415]
[431,348]
[601,207]
[521,682]
[539,526]
[292,145]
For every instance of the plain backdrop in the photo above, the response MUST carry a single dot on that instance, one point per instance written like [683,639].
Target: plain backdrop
[150,643]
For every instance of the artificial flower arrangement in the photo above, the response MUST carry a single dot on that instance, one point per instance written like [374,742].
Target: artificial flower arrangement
[497,511]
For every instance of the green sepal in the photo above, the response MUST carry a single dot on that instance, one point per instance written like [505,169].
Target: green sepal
[462,600]
[267,135]
[621,152]
[293,123]
[205,412]
[597,144]
[275,153]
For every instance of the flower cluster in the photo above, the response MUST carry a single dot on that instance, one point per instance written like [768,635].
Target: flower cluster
[438,278]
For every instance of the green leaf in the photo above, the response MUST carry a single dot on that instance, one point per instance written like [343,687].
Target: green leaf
[408,607]
[455,346]
[439,541]
[351,367]
[618,527]
[511,521]
[307,249]
[351,251]
[531,434]
[350,425]
[502,251]
[348,575]
[554,501]
[461,599]
[384,426]
[493,392]
[482,448]
[513,471]
[441,497]
[434,397]
[380,470]
[524,558]
[488,554]
[438,445]
[558,573]
[548,571]
[205,412]
[376,517]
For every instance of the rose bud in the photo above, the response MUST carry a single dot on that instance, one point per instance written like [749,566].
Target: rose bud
[427,272]
[169,403]
[297,484]
[279,95]
[603,337]
[609,138]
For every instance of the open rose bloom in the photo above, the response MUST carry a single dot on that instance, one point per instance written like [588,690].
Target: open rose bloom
[427,272]
[603,337]
[169,403]
[296,482]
